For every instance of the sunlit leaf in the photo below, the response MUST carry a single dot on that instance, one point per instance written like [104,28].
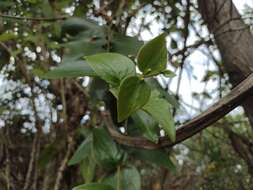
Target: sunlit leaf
[111,67]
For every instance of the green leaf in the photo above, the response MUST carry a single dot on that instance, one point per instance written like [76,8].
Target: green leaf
[93,186]
[75,26]
[146,124]
[48,154]
[166,95]
[168,73]
[115,92]
[105,150]
[159,109]
[82,152]
[7,36]
[97,90]
[89,38]
[210,75]
[152,57]
[125,44]
[83,46]
[6,5]
[80,11]
[133,95]
[2,109]
[173,44]
[125,179]
[46,9]
[157,157]
[111,67]
[71,69]
[87,168]
[38,72]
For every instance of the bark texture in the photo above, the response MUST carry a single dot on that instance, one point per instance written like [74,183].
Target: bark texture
[234,40]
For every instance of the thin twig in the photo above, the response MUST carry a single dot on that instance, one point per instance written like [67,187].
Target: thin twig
[36,174]
[63,164]
[63,99]
[40,19]
[47,176]
[31,163]
[131,15]
[7,161]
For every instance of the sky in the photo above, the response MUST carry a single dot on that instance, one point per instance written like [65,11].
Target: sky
[196,60]
[241,3]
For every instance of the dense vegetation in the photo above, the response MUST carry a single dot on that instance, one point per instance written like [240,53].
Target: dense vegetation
[89,87]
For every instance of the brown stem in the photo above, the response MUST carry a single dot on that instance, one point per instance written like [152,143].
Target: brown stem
[7,161]
[63,164]
[226,104]
[31,163]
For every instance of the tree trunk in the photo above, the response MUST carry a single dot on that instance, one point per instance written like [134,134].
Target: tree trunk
[235,43]
[234,40]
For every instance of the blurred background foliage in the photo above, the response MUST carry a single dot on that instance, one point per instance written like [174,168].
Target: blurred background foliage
[52,134]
